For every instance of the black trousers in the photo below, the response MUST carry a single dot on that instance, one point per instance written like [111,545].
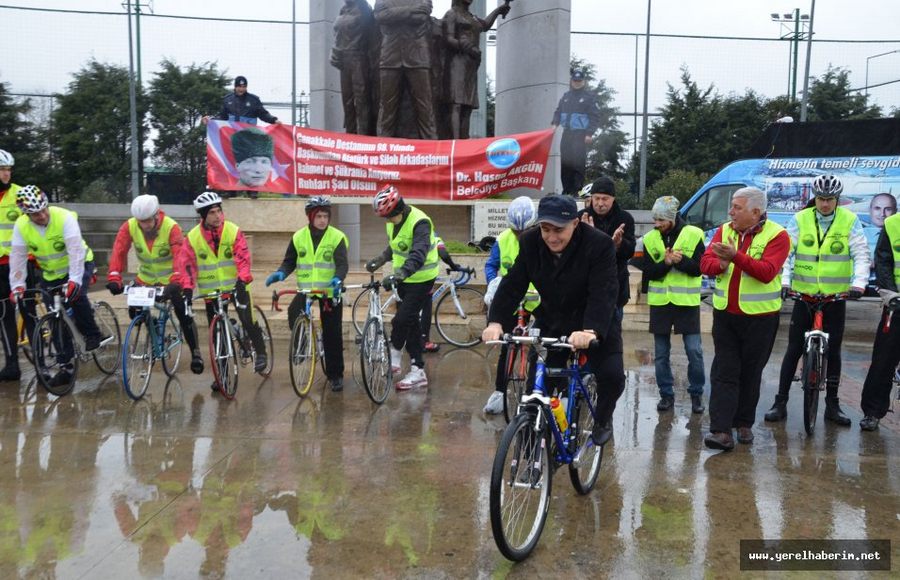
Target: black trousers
[10,337]
[743,345]
[876,393]
[405,330]
[425,317]
[246,315]
[332,332]
[82,313]
[801,321]
[573,157]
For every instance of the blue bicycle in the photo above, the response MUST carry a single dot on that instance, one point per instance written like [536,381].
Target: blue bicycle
[536,442]
[154,335]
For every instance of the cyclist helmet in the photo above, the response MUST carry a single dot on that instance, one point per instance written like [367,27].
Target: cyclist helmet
[386,201]
[31,199]
[145,207]
[205,200]
[6,159]
[520,213]
[317,202]
[827,186]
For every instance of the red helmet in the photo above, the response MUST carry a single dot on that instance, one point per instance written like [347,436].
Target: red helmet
[386,201]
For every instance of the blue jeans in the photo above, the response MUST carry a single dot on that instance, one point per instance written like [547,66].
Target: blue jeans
[694,352]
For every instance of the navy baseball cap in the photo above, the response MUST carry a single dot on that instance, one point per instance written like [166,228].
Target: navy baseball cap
[240,81]
[577,75]
[558,210]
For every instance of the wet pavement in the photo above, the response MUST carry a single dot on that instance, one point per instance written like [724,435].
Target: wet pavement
[187,484]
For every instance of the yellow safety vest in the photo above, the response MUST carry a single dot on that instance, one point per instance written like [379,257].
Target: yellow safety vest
[824,268]
[676,287]
[50,249]
[9,213]
[754,297]
[508,245]
[215,271]
[401,244]
[315,268]
[892,229]
[156,264]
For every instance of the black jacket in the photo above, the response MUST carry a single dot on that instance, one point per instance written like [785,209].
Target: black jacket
[577,290]
[884,263]
[578,112]
[248,106]
[608,224]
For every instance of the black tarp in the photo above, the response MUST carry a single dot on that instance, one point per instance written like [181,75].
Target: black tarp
[828,139]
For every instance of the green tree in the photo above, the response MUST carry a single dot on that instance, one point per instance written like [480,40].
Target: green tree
[678,183]
[830,98]
[17,136]
[607,150]
[178,98]
[93,136]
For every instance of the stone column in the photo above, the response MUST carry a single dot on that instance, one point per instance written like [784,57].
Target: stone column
[532,71]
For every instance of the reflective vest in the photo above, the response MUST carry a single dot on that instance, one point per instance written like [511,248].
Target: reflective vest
[9,213]
[508,244]
[754,297]
[315,267]
[892,229]
[401,244]
[156,264]
[50,249]
[676,287]
[215,271]
[824,268]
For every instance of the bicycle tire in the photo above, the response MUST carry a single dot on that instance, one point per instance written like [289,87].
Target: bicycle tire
[812,374]
[137,358]
[360,310]
[50,334]
[320,352]
[516,379]
[224,363]
[108,356]
[24,343]
[584,473]
[375,361]
[302,356]
[520,500]
[462,325]
[172,342]
[266,332]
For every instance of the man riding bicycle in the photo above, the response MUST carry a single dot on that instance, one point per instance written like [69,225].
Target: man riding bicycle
[318,252]
[829,255]
[157,240]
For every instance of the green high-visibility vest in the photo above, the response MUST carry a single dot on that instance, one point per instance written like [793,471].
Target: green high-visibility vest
[892,229]
[215,271]
[401,244]
[826,267]
[156,264]
[9,213]
[676,287]
[50,249]
[754,297]
[315,268]
[508,244]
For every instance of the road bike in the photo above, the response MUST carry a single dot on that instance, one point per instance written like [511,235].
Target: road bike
[58,347]
[459,311]
[374,347]
[892,306]
[815,354]
[154,334]
[536,443]
[306,346]
[26,319]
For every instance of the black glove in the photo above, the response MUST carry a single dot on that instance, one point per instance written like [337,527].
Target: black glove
[855,294]
[115,288]
[785,291]
[375,263]
[390,281]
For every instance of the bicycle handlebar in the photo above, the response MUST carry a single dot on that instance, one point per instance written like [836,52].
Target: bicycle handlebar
[817,298]
[561,343]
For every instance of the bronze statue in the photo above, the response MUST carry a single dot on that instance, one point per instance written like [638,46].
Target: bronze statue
[462,31]
[355,38]
[405,61]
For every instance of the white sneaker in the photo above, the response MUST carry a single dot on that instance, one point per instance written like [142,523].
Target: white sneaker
[396,360]
[494,404]
[414,378]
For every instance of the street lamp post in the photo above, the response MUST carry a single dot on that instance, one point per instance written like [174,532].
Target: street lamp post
[794,27]
[868,58]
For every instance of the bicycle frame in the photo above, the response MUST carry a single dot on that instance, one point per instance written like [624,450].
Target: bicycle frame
[156,322]
[58,309]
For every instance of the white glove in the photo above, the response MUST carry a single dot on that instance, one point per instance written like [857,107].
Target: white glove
[491,290]
[887,296]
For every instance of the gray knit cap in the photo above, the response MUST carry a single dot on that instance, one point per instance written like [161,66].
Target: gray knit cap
[665,208]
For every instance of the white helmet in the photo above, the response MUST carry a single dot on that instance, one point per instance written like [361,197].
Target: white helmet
[520,213]
[6,159]
[145,207]
[206,199]
[31,199]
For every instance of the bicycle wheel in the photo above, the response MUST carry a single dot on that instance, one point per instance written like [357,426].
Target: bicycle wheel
[55,364]
[375,360]
[223,357]
[360,310]
[461,318]
[137,358]
[22,327]
[263,324]
[585,469]
[320,351]
[109,355]
[303,356]
[521,480]
[516,368]
[813,375]
[172,341]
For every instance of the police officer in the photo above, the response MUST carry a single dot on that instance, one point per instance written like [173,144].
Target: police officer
[242,106]
[578,113]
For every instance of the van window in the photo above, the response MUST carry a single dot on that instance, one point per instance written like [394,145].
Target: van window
[711,210]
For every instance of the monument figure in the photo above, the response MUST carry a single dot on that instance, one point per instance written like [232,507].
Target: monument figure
[355,40]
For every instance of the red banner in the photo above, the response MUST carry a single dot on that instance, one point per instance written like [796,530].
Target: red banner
[296,160]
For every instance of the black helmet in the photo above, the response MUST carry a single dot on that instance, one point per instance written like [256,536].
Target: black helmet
[317,202]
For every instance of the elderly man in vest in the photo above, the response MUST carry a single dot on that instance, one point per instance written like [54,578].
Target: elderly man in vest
[876,393]
[829,255]
[671,267]
[157,242]
[746,256]
[412,250]
[217,258]
[318,253]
